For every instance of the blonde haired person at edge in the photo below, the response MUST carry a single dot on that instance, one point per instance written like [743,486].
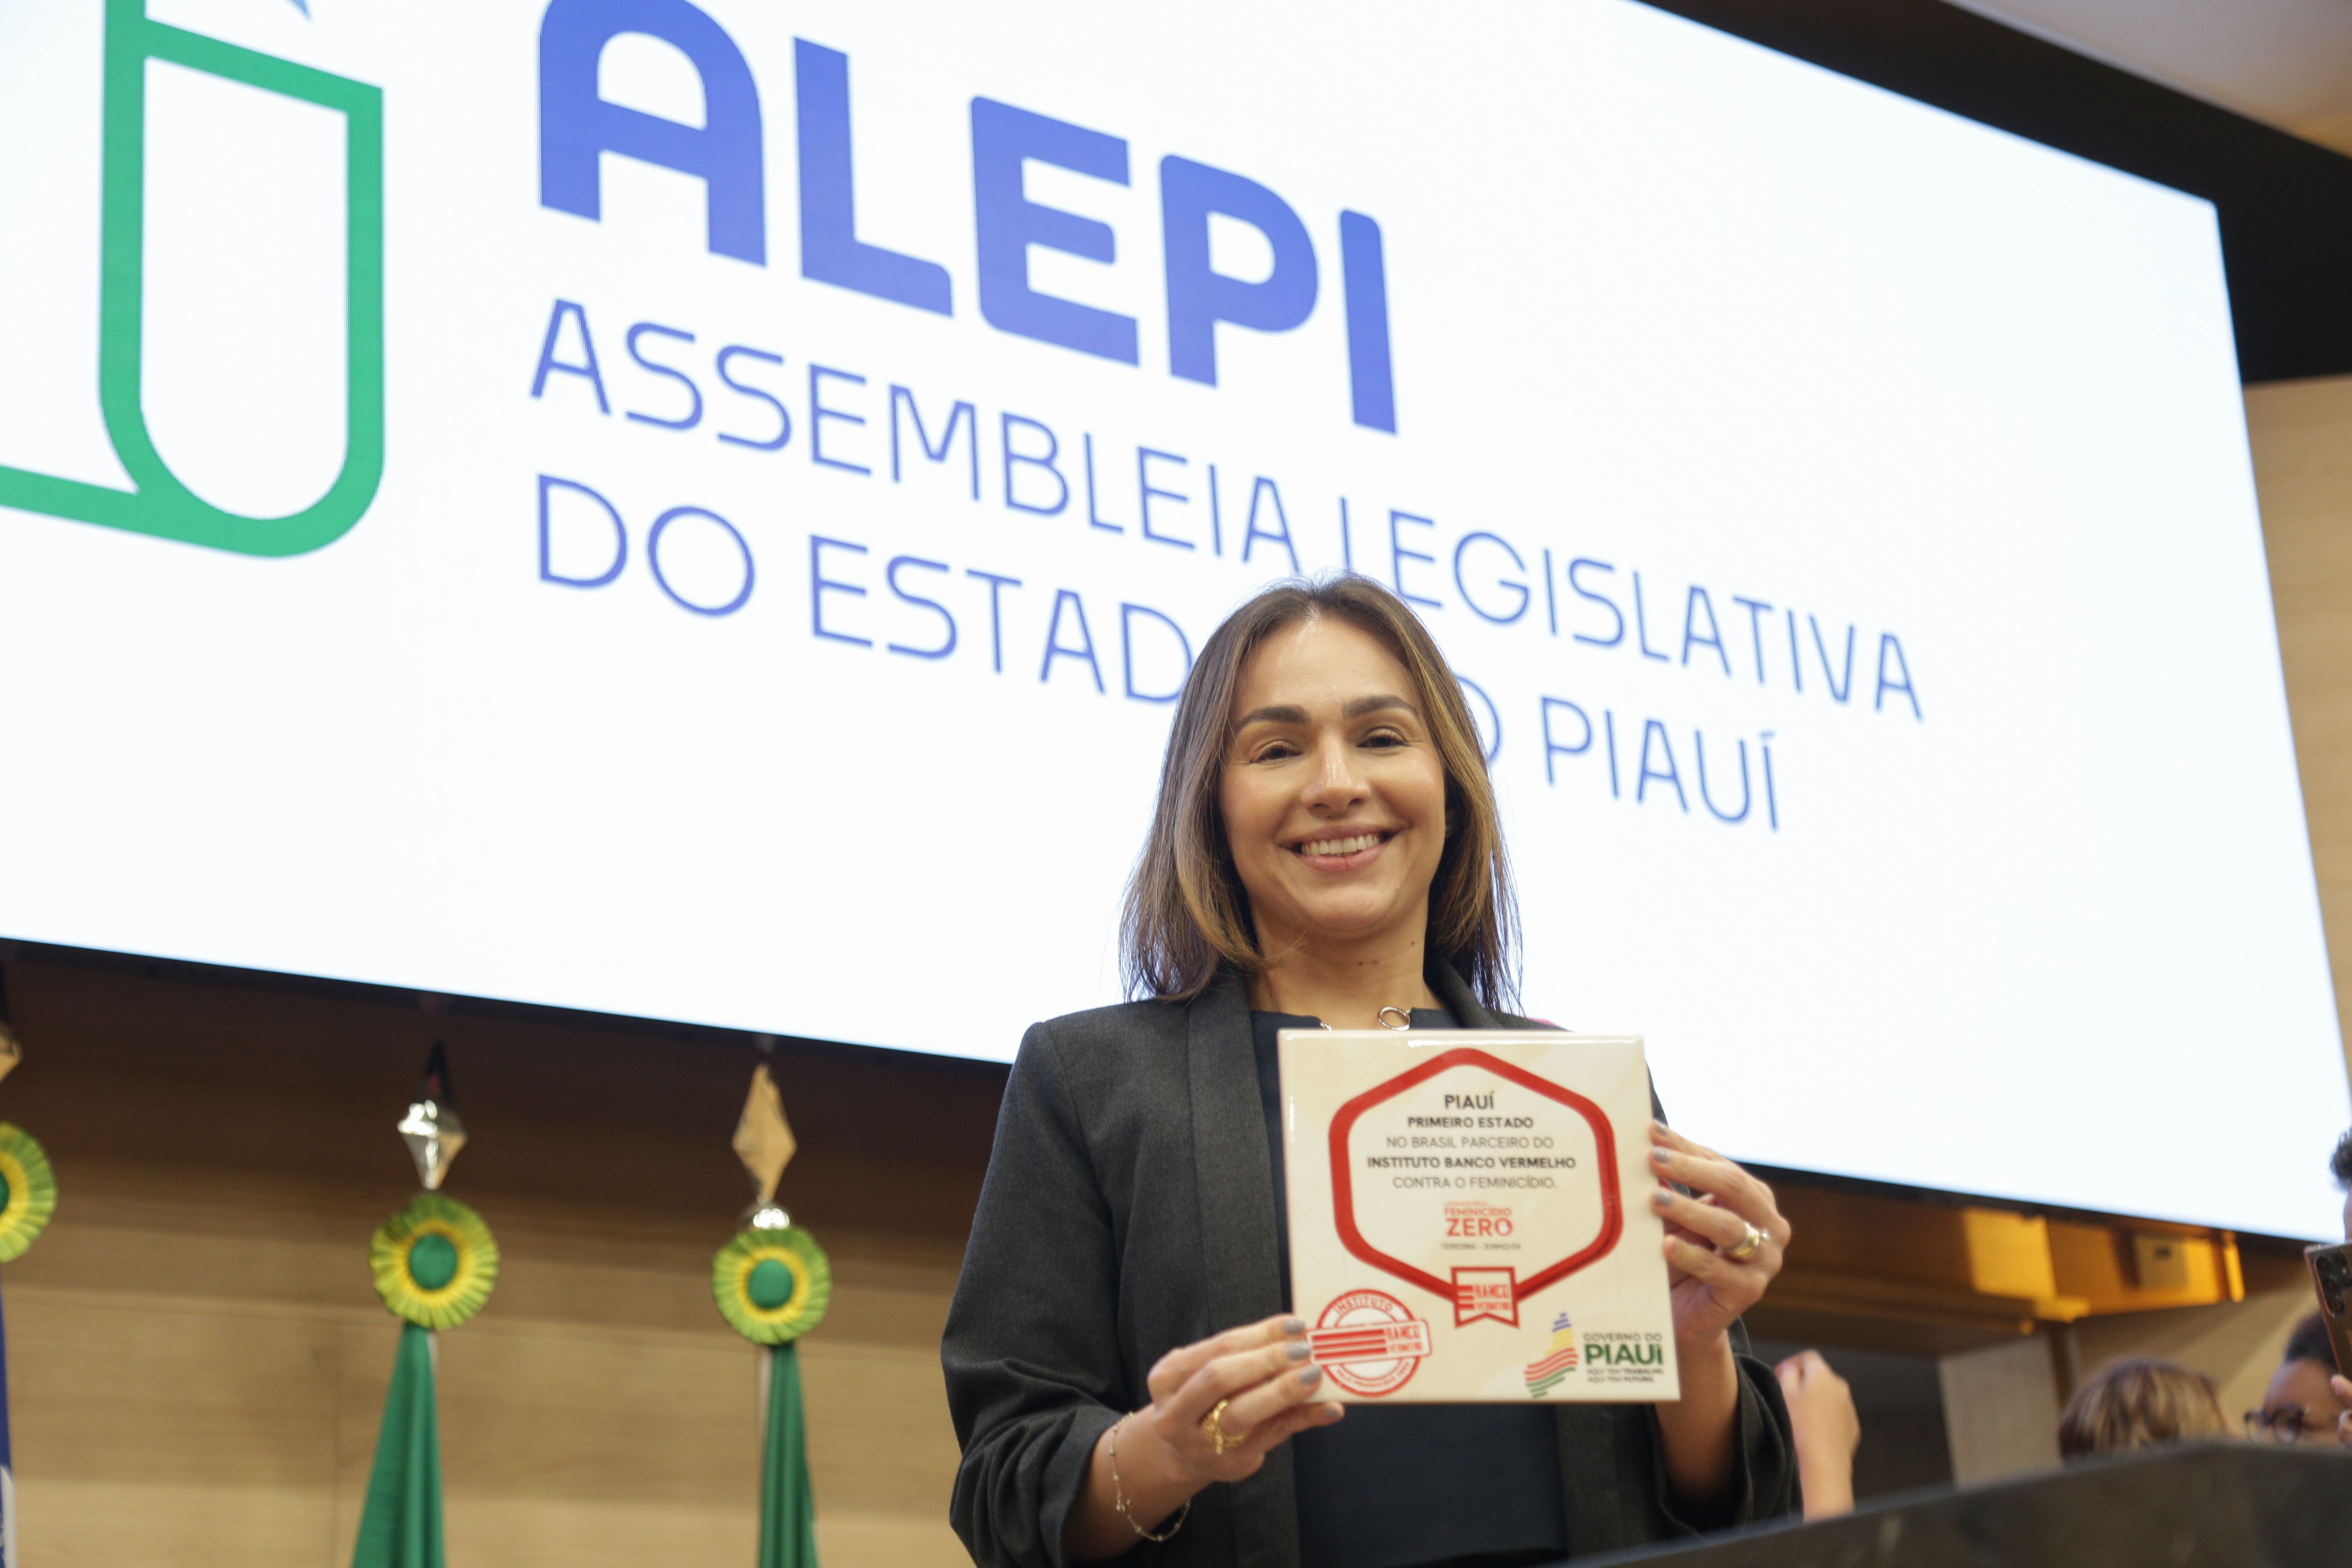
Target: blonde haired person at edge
[1326,847]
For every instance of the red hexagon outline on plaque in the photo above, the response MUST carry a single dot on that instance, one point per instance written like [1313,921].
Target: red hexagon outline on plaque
[1343,1195]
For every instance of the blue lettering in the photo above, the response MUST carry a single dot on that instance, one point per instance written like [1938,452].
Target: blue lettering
[1887,645]
[1757,609]
[1147,490]
[1008,223]
[1093,516]
[1265,489]
[960,414]
[1641,630]
[1126,652]
[1052,450]
[1606,603]
[1512,583]
[1553,748]
[1199,297]
[996,586]
[1056,648]
[819,412]
[946,621]
[820,585]
[547,362]
[694,393]
[1696,606]
[1363,277]
[1839,689]
[653,559]
[576,125]
[1698,740]
[1652,729]
[831,251]
[784,416]
[547,572]
[1399,555]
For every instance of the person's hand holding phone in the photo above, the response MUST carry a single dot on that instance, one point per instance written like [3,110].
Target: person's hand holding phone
[2331,1279]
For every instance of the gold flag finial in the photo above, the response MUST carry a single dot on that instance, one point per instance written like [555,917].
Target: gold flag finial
[763,1139]
[431,1129]
[11,1049]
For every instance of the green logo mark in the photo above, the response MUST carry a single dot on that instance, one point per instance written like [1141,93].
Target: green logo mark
[159,503]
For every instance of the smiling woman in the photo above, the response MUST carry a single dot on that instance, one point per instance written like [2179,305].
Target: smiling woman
[1325,851]
[1349,728]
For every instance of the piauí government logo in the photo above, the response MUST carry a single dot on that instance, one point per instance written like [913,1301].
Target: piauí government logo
[158,504]
[1544,1373]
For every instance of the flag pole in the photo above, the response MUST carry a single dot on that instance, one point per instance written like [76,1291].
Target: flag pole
[28,1196]
[772,1284]
[434,1263]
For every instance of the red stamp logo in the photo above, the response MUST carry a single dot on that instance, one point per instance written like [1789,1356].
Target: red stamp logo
[1486,1293]
[1368,1343]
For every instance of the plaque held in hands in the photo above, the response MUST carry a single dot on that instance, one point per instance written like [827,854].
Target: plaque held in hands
[1470,1217]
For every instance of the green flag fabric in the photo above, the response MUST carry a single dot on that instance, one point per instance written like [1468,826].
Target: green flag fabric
[401,1527]
[787,1509]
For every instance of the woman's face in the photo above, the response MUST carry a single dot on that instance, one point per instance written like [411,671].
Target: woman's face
[1334,796]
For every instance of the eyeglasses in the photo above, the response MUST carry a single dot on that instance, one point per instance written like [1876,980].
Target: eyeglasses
[2283,1424]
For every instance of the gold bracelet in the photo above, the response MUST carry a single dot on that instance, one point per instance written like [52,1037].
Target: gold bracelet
[1119,1495]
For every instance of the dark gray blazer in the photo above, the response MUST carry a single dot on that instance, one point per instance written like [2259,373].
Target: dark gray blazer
[1129,1209]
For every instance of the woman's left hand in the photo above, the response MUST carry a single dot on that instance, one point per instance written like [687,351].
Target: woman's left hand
[1709,1289]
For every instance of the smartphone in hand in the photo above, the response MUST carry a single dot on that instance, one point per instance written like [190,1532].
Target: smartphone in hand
[2331,1277]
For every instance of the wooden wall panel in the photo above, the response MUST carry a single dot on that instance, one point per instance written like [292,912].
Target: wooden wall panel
[199,1364]
[2302,434]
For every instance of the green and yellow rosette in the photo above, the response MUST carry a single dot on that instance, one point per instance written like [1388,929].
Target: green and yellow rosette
[28,1191]
[434,1262]
[772,1286]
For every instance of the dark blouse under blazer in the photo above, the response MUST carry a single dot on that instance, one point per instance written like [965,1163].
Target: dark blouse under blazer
[1129,1209]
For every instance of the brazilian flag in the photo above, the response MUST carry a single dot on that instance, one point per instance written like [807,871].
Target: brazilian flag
[434,1263]
[28,1195]
[773,1285]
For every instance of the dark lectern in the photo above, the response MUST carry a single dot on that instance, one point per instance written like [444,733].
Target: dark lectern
[2218,1505]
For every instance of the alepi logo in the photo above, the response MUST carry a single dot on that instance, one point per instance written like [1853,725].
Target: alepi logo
[726,153]
[159,503]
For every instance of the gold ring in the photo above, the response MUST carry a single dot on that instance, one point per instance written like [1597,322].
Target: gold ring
[1749,1245]
[1214,1425]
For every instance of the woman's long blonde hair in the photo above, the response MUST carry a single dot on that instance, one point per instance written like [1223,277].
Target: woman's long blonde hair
[1188,919]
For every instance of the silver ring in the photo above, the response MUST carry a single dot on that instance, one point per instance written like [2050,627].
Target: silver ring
[1381,1018]
[1748,1245]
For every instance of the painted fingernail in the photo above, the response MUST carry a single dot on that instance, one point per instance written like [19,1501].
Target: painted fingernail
[1664,1197]
[1309,1376]
[1662,1156]
[1332,1413]
[1658,1127]
[1298,1351]
[1294,1326]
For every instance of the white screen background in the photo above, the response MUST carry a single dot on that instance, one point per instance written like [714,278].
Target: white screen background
[1658,299]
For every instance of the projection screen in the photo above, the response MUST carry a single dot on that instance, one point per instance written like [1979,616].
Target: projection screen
[700,513]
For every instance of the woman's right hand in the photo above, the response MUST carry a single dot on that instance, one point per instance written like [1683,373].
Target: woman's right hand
[1262,1374]
[1158,1457]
